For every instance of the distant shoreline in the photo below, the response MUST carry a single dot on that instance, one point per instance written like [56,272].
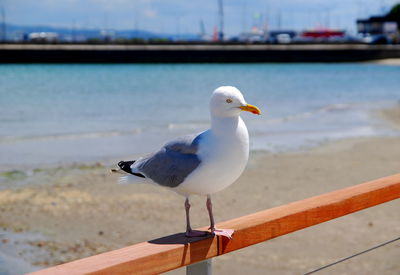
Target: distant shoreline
[194,53]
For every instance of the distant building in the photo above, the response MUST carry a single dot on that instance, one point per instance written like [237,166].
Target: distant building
[376,25]
[43,37]
[378,30]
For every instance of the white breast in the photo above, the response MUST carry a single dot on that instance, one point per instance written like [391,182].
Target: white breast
[224,155]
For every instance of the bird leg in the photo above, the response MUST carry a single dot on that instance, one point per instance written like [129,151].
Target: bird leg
[221,232]
[189,231]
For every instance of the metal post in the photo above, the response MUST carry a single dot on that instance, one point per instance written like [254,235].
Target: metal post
[3,25]
[200,268]
[221,20]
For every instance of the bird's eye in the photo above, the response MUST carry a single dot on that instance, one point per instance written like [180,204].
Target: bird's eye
[229,100]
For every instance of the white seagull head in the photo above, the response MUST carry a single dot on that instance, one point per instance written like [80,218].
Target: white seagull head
[228,101]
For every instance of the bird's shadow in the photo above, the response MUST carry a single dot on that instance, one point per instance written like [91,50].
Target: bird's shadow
[195,255]
[180,238]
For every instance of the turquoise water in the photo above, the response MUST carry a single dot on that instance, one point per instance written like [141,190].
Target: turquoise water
[71,113]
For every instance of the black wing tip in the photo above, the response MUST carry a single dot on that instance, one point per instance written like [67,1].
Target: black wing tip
[126,166]
[123,163]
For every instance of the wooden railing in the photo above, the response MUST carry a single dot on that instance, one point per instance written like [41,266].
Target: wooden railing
[175,251]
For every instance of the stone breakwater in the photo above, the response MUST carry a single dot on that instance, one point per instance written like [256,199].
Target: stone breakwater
[194,53]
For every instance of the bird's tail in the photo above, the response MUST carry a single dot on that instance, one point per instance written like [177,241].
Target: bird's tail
[130,179]
[128,175]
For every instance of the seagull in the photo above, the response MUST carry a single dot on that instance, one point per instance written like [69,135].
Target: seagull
[200,164]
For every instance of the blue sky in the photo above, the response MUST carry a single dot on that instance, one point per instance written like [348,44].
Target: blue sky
[184,16]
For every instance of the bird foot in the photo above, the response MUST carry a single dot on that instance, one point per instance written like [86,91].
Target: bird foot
[195,233]
[223,232]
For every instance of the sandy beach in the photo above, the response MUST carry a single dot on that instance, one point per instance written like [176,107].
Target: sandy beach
[388,61]
[80,210]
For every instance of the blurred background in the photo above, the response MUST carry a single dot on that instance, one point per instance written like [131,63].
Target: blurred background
[97,21]
[324,126]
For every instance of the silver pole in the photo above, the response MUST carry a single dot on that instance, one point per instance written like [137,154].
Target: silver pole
[200,268]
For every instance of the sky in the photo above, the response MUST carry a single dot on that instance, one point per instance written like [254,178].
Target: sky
[184,16]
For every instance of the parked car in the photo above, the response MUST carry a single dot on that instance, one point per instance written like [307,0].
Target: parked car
[374,39]
[281,37]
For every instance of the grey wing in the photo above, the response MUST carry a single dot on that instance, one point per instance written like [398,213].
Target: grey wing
[173,163]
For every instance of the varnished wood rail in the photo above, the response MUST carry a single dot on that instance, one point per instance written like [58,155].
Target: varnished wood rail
[171,252]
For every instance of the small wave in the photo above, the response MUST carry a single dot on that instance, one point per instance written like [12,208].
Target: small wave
[310,114]
[13,139]
[336,107]
[289,118]
[193,125]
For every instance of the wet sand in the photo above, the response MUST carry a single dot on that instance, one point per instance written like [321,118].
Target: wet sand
[392,115]
[81,211]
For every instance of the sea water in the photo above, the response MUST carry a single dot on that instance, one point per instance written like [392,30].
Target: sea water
[57,114]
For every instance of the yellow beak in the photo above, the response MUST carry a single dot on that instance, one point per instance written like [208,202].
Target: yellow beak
[251,108]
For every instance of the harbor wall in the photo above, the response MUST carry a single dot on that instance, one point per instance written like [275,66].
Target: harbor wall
[193,53]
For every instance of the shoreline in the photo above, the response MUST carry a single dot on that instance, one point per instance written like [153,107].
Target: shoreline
[391,115]
[383,120]
[80,210]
